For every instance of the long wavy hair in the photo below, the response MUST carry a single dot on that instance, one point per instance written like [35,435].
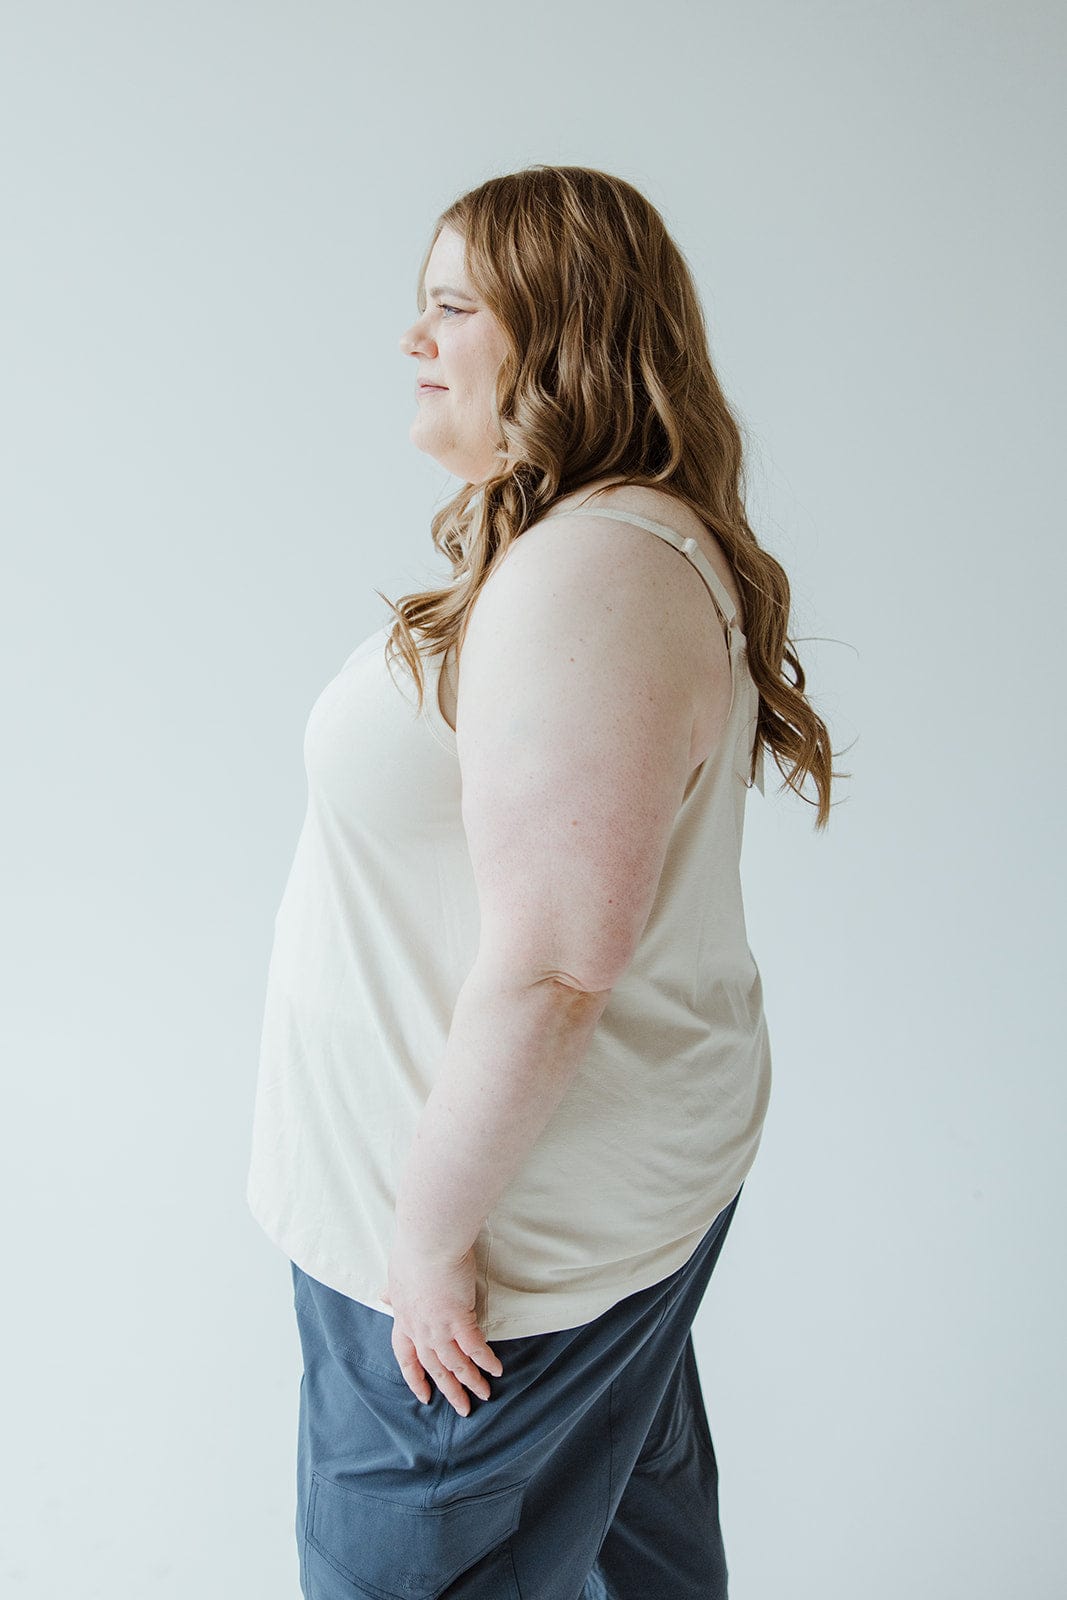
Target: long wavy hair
[608,373]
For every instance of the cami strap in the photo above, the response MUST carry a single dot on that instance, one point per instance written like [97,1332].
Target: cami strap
[720,594]
[688,547]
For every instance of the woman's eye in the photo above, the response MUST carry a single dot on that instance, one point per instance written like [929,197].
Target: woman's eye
[443,307]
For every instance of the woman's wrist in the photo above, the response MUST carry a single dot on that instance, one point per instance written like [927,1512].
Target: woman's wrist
[512,1052]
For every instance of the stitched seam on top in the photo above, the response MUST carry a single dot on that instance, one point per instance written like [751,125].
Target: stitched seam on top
[611,1461]
[444,1438]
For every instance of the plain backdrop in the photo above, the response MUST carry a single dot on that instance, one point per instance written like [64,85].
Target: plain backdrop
[213,215]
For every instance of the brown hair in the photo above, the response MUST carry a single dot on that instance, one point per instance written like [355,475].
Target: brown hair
[608,372]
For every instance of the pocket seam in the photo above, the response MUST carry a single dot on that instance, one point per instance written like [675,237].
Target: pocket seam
[477,1554]
[304,1304]
[358,1359]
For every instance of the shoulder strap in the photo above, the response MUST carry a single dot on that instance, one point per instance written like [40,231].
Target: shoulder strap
[719,592]
[688,547]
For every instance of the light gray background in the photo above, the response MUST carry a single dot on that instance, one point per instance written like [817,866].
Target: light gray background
[213,215]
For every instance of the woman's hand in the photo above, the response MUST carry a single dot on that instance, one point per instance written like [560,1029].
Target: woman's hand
[435,1331]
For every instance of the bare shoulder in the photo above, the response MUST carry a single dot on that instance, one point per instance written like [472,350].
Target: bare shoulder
[583,582]
[583,588]
[591,578]
[605,579]
[658,505]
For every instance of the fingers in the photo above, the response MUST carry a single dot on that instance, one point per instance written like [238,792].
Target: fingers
[476,1347]
[449,1372]
[414,1370]
[455,1361]
[415,1378]
[449,1385]
[411,1369]
[450,1368]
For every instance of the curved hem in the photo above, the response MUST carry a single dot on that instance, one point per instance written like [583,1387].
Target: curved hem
[546,1312]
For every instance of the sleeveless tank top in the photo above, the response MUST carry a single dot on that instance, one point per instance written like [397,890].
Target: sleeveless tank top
[375,934]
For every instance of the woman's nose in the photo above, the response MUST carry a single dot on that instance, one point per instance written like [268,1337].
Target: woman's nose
[414,340]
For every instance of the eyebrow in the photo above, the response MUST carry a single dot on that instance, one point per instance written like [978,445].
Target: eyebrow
[444,288]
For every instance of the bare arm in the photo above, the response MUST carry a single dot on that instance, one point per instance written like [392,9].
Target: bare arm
[574,733]
[512,1050]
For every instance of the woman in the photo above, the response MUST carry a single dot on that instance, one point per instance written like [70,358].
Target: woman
[515,1064]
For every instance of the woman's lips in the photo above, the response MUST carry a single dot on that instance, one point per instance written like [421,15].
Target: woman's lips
[430,388]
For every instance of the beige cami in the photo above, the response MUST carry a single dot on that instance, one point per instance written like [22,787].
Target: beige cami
[375,934]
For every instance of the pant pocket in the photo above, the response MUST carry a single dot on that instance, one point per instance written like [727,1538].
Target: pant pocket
[397,1551]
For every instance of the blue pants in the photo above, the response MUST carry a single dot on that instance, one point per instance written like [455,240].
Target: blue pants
[588,1474]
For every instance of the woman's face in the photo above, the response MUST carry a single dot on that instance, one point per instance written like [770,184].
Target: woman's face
[458,345]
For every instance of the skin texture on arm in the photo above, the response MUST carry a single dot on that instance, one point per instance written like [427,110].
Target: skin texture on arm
[574,732]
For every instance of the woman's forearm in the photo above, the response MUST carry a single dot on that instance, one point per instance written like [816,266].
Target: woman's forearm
[512,1051]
